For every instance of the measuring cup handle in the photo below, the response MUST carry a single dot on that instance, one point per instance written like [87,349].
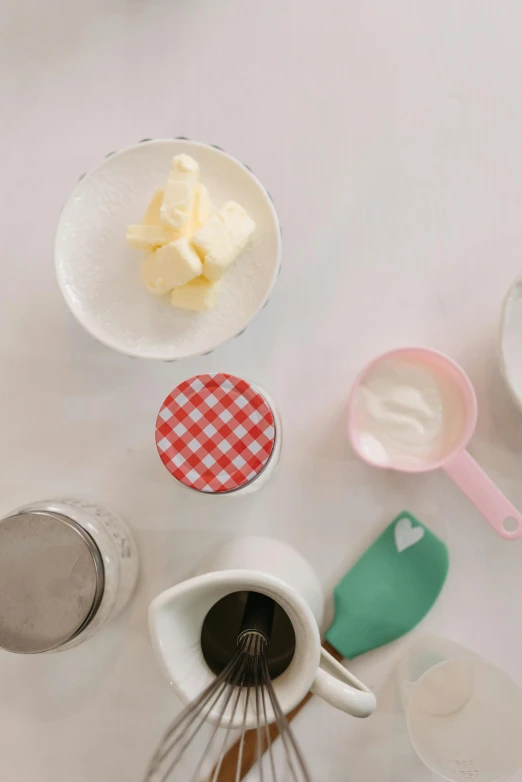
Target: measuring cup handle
[485,495]
[341,689]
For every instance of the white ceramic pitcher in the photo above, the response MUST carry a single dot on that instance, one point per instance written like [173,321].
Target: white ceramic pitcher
[273,568]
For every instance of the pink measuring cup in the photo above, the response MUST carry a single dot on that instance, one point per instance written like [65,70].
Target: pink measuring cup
[455,460]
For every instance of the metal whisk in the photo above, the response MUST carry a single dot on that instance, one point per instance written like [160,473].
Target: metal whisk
[243,685]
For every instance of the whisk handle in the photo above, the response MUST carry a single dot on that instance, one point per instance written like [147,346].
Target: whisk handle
[258,615]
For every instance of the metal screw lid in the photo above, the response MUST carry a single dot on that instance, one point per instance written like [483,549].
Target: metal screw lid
[215,433]
[51,581]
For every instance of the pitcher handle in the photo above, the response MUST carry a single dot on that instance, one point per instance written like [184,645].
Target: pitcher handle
[341,688]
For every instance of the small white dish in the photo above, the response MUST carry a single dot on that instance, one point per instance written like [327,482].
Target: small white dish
[99,274]
[511,341]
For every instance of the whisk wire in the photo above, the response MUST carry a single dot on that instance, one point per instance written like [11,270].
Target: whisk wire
[244,684]
[287,736]
[243,730]
[235,680]
[245,675]
[258,718]
[267,737]
[198,709]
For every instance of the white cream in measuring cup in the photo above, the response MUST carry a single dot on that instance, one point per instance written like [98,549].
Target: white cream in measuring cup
[415,410]
[405,414]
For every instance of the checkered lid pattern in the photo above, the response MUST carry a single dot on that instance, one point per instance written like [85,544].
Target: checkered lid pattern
[215,433]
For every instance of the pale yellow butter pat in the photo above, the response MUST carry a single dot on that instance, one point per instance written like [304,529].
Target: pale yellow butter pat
[151,233]
[212,242]
[148,237]
[152,215]
[198,295]
[180,193]
[223,237]
[171,266]
[202,210]
[239,225]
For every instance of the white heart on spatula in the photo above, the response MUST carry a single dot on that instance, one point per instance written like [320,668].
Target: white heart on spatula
[406,534]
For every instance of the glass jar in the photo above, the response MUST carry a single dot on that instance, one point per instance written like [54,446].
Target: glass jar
[66,567]
[219,434]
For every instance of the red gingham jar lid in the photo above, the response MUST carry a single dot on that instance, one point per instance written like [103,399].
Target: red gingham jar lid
[215,433]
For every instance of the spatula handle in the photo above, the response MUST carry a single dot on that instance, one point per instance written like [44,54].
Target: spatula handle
[228,770]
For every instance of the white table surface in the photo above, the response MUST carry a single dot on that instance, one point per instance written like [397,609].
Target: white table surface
[390,136]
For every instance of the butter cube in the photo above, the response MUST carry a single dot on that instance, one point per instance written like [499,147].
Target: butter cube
[222,238]
[170,266]
[180,193]
[202,210]
[239,225]
[212,242]
[151,233]
[198,295]
[152,215]
[149,237]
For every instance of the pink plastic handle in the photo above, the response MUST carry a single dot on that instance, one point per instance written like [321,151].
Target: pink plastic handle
[485,495]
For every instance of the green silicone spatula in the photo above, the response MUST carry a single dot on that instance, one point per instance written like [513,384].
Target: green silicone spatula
[391,587]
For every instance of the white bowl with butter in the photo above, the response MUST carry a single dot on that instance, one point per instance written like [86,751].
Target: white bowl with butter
[99,274]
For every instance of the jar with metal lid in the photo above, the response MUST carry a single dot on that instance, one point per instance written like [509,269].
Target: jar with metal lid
[219,434]
[66,567]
